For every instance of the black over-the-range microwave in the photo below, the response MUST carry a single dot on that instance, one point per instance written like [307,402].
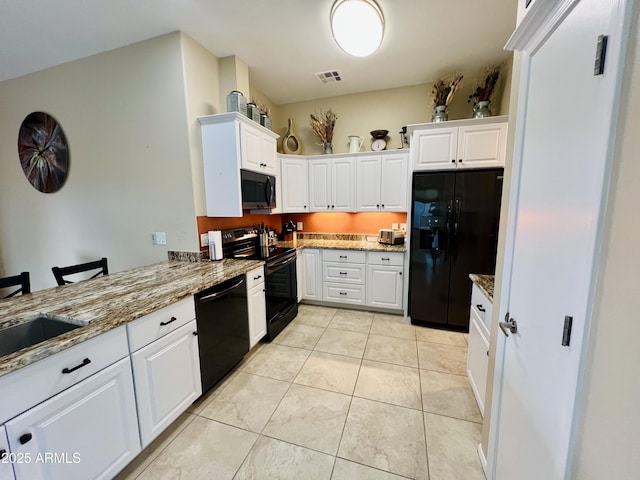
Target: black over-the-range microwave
[258,190]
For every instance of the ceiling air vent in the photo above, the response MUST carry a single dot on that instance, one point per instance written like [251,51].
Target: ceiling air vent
[330,76]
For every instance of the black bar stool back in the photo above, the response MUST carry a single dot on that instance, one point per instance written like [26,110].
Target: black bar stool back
[21,280]
[61,272]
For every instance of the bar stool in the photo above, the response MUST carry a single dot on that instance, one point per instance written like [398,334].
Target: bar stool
[22,280]
[60,272]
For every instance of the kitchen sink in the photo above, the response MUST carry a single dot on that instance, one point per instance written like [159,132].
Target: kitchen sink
[34,331]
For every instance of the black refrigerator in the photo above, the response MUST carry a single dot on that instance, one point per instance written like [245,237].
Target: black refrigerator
[454,232]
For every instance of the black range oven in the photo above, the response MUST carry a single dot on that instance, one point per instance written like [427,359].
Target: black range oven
[281,289]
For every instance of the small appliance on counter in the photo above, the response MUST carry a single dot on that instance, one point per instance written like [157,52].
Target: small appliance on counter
[391,237]
[215,245]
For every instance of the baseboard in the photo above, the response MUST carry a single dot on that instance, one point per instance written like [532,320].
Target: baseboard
[483,459]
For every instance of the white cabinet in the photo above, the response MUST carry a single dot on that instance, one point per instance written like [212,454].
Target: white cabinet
[167,379]
[385,279]
[92,427]
[6,470]
[257,306]
[230,141]
[332,184]
[294,174]
[476,143]
[382,182]
[344,277]
[299,273]
[478,351]
[311,274]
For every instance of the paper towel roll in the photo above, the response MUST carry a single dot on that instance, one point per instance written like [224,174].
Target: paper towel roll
[215,244]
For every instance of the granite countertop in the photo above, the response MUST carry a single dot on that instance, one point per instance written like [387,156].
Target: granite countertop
[485,283]
[110,301]
[333,241]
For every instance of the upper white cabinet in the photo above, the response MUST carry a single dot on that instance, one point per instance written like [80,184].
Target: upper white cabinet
[382,181]
[294,174]
[332,184]
[475,143]
[230,141]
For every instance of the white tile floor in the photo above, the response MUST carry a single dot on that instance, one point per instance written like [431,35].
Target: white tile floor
[338,395]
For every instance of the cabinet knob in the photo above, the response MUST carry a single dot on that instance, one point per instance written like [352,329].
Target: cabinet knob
[378,205]
[383,205]
[459,160]
[195,334]
[25,438]
[305,206]
[453,161]
[399,273]
[328,206]
[333,206]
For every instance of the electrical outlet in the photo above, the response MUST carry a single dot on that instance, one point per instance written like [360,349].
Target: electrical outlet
[204,239]
[403,227]
[394,226]
[299,226]
[159,238]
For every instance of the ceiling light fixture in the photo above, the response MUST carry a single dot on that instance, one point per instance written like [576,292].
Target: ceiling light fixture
[357,26]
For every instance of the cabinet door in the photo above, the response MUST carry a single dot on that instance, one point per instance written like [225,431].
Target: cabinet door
[319,185]
[435,149]
[6,470]
[167,380]
[294,185]
[251,148]
[368,183]
[482,146]
[343,185]
[394,180]
[269,148]
[312,274]
[92,427]
[257,314]
[384,286]
[477,361]
[299,273]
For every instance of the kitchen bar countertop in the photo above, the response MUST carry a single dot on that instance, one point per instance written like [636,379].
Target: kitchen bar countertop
[485,283]
[110,301]
[333,241]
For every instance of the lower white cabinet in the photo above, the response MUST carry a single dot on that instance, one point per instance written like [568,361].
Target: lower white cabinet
[89,431]
[256,303]
[299,273]
[167,379]
[6,470]
[478,358]
[384,286]
[311,274]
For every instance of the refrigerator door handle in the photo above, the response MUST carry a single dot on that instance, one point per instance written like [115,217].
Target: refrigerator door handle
[456,217]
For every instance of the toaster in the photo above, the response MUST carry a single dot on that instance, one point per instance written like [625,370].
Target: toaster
[391,237]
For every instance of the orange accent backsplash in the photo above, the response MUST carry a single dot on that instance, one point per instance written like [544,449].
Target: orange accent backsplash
[340,222]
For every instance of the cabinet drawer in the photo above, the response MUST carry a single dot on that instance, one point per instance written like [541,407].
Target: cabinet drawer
[477,360]
[344,256]
[41,380]
[482,306]
[385,258]
[157,324]
[255,277]
[341,273]
[335,292]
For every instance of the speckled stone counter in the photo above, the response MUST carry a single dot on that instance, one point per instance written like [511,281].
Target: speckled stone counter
[485,283]
[342,241]
[110,301]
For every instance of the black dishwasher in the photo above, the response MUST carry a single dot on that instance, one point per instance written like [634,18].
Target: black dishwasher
[222,317]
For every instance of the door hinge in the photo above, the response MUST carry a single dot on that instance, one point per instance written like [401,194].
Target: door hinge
[601,53]
[566,331]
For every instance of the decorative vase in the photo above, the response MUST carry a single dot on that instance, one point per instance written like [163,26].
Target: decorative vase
[290,142]
[440,114]
[327,148]
[481,109]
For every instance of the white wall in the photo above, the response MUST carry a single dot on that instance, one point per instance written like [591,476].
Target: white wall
[124,114]
[608,443]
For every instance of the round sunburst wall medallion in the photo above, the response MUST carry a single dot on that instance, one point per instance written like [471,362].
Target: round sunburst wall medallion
[43,151]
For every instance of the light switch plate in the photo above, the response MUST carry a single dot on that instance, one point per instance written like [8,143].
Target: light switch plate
[159,238]
[394,226]
[204,239]
[299,226]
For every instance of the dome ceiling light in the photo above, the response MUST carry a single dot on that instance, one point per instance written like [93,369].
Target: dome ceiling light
[357,26]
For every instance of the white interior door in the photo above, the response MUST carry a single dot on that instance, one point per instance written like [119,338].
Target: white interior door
[563,172]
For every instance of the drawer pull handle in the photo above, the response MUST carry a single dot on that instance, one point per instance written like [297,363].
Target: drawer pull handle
[173,319]
[343,273]
[258,277]
[84,363]
[25,438]
[385,259]
[343,293]
[3,453]
[480,307]
[343,256]
[195,334]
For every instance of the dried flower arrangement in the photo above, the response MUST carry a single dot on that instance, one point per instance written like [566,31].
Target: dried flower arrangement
[444,89]
[483,92]
[262,107]
[323,125]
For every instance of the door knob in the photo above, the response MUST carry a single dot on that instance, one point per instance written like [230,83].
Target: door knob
[509,325]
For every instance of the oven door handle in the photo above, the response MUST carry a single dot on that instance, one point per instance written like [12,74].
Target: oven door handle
[217,295]
[280,264]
